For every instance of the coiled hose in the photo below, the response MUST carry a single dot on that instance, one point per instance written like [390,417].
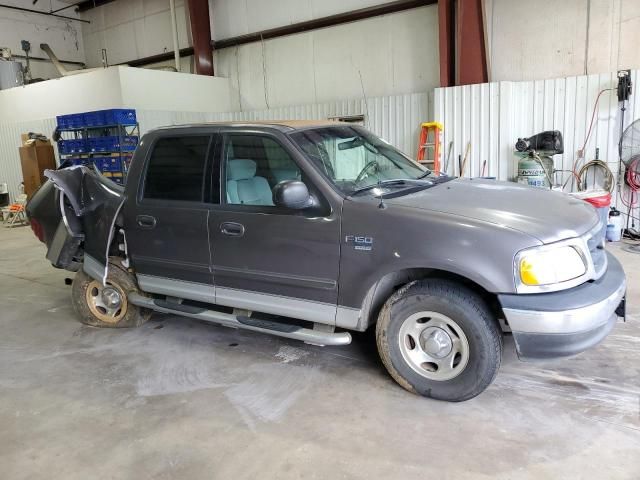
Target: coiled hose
[609,181]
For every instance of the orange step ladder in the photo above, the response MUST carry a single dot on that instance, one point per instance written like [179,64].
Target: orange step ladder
[430,144]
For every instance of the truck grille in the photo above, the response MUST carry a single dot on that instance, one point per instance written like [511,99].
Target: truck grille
[595,242]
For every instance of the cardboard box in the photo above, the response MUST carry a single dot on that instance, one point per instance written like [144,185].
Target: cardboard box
[35,158]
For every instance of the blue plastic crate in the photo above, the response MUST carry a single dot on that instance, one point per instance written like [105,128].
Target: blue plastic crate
[108,164]
[94,119]
[66,122]
[62,122]
[120,116]
[66,147]
[112,143]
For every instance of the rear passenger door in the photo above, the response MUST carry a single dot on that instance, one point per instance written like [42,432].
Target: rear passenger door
[166,225]
[267,258]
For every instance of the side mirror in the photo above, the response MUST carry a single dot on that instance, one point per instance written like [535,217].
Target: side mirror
[292,194]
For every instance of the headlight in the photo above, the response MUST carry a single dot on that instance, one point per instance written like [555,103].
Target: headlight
[549,265]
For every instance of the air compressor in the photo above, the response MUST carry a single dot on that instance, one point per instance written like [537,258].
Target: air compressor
[535,158]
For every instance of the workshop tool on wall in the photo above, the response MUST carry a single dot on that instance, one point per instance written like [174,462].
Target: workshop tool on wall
[484,167]
[429,145]
[464,160]
[447,161]
[26,47]
[535,164]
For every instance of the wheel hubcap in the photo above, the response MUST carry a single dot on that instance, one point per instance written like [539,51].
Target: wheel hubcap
[111,297]
[108,303]
[433,345]
[436,342]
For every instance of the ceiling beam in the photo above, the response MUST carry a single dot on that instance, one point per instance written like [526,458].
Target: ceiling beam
[42,12]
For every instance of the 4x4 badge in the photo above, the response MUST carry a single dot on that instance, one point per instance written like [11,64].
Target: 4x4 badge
[360,242]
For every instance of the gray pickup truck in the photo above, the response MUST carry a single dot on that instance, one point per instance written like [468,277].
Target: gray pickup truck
[306,230]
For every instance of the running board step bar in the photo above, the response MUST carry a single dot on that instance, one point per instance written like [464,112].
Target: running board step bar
[307,335]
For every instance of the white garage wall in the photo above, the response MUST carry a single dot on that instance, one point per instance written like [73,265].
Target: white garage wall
[388,55]
[492,116]
[538,39]
[231,18]
[132,29]
[64,36]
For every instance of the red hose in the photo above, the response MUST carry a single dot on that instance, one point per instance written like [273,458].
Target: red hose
[633,181]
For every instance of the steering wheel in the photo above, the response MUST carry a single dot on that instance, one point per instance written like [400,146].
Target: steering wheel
[364,172]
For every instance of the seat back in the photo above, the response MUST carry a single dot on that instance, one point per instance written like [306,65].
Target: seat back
[243,187]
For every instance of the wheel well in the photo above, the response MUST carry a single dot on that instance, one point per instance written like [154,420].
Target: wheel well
[387,285]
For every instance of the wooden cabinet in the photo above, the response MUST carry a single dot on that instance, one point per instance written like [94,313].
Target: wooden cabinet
[35,159]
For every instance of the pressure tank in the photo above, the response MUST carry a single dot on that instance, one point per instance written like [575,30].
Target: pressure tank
[10,74]
[534,172]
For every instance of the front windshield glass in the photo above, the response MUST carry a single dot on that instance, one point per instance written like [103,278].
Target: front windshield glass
[354,159]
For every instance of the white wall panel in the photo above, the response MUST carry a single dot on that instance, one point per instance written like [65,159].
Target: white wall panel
[537,39]
[386,55]
[493,115]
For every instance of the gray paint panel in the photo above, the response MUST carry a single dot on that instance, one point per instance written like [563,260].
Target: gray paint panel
[177,288]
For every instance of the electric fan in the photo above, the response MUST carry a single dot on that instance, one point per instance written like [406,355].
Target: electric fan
[630,156]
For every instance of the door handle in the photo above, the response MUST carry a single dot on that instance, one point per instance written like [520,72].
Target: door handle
[146,221]
[232,229]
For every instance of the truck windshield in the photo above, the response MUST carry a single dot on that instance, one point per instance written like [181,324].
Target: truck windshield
[355,159]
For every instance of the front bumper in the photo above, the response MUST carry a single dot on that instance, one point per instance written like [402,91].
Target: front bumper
[559,324]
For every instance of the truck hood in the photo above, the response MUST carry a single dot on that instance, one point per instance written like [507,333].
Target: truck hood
[546,215]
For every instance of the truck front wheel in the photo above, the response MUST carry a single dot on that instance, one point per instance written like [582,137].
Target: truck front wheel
[438,338]
[107,306]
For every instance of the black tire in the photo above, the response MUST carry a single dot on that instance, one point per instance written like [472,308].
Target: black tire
[482,335]
[84,288]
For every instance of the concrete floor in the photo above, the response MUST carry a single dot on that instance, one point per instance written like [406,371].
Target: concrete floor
[182,399]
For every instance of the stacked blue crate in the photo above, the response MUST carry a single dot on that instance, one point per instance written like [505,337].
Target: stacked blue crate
[100,138]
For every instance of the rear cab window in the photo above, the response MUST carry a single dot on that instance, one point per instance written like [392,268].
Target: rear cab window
[176,169]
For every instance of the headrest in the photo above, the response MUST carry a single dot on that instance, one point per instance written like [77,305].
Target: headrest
[241,169]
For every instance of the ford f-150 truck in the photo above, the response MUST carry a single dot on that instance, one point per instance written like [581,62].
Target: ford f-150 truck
[309,229]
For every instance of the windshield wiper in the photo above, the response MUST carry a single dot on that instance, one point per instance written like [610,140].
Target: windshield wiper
[380,184]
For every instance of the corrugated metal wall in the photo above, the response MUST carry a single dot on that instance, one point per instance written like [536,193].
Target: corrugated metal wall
[395,118]
[492,116]
[10,170]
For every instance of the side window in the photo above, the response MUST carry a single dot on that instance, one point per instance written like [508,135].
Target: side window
[176,169]
[254,165]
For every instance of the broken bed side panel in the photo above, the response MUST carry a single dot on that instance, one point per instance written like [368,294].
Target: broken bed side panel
[96,202]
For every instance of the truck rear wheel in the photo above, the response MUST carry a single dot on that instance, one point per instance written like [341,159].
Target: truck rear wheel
[438,338]
[107,305]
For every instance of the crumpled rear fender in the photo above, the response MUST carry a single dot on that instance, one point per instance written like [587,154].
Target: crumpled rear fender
[96,202]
